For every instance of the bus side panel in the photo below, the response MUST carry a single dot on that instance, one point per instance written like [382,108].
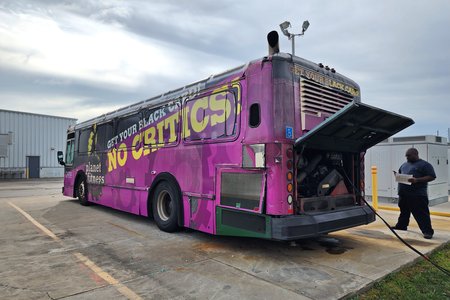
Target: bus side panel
[194,167]
[276,180]
[127,200]
[69,183]
[199,213]
[106,197]
[70,178]
[126,185]
[277,128]
[142,151]
[260,92]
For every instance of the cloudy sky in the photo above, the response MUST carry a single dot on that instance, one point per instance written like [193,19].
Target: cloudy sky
[84,58]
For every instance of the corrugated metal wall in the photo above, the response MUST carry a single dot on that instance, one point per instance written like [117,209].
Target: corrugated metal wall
[34,135]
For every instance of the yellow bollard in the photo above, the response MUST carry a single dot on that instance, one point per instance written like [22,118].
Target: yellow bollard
[374,188]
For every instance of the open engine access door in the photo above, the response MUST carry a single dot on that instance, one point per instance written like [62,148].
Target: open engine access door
[355,128]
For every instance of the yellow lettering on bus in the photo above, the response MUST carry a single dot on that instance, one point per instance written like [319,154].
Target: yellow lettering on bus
[149,139]
[136,141]
[222,105]
[238,97]
[186,130]
[122,154]
[170,123]
[160,127]
[112,160]
[91,142]
[199,126]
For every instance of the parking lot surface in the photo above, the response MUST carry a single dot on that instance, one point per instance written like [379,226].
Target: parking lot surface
[53,248]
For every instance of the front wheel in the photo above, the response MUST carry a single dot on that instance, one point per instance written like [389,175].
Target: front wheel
[82,191]
[166,207]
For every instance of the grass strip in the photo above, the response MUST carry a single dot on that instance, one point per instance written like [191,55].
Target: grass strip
[419,281]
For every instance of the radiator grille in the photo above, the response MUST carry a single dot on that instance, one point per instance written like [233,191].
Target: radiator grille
[317,99]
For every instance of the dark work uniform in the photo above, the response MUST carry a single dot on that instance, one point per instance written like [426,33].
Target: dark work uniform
[414,198]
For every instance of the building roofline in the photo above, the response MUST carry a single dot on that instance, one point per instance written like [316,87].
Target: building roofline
[35,114]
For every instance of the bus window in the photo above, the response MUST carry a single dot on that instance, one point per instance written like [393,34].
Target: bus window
[104,133]
[210,117]
[69,152]
[229,128]
[125,123]
[83,140]
[254,118]
[161,125]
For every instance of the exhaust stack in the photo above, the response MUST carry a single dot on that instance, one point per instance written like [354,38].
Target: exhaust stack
[273,40]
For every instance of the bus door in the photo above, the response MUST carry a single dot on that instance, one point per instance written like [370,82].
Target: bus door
[329,172]
[355,128]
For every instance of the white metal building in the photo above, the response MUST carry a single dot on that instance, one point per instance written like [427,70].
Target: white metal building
[29,142]
[390,154]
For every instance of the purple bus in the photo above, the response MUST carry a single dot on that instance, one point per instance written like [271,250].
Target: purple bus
[272,149]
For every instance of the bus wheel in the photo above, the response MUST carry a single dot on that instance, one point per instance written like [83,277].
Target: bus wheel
[82,191]
[165,206]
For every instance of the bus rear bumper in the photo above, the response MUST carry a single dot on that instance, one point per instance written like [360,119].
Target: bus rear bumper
[314,224]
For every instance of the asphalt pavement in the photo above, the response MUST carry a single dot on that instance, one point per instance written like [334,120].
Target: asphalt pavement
[53,248]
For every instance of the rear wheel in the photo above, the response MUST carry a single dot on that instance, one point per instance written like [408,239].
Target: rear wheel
[82,191]
[166,206]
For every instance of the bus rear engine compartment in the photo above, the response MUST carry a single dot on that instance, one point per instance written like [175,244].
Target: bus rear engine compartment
[323,180]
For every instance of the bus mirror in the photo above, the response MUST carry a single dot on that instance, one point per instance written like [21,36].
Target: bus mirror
[60,158]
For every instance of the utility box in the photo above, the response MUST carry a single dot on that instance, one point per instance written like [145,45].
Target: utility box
[389,155]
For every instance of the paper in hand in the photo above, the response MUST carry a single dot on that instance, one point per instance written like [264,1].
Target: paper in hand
[403,178]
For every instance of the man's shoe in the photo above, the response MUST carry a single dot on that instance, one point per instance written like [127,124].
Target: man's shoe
[398,228]
[428,235]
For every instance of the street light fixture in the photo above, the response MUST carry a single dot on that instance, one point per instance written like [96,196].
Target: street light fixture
[284,28]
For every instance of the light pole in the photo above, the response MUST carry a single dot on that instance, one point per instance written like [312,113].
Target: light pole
[284,28]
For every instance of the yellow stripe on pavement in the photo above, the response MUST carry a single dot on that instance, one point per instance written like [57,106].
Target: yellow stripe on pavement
[433,213]
[85,260]
[36,223]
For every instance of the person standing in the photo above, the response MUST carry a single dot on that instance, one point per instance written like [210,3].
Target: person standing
[414,198]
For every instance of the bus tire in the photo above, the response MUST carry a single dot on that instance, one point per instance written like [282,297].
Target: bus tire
[82,191]
[166,206]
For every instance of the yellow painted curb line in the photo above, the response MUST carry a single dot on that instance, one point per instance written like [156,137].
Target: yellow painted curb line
[434,213]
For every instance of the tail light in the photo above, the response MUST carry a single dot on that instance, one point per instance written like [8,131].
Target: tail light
[290,177]
[290,153]
[290,187]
